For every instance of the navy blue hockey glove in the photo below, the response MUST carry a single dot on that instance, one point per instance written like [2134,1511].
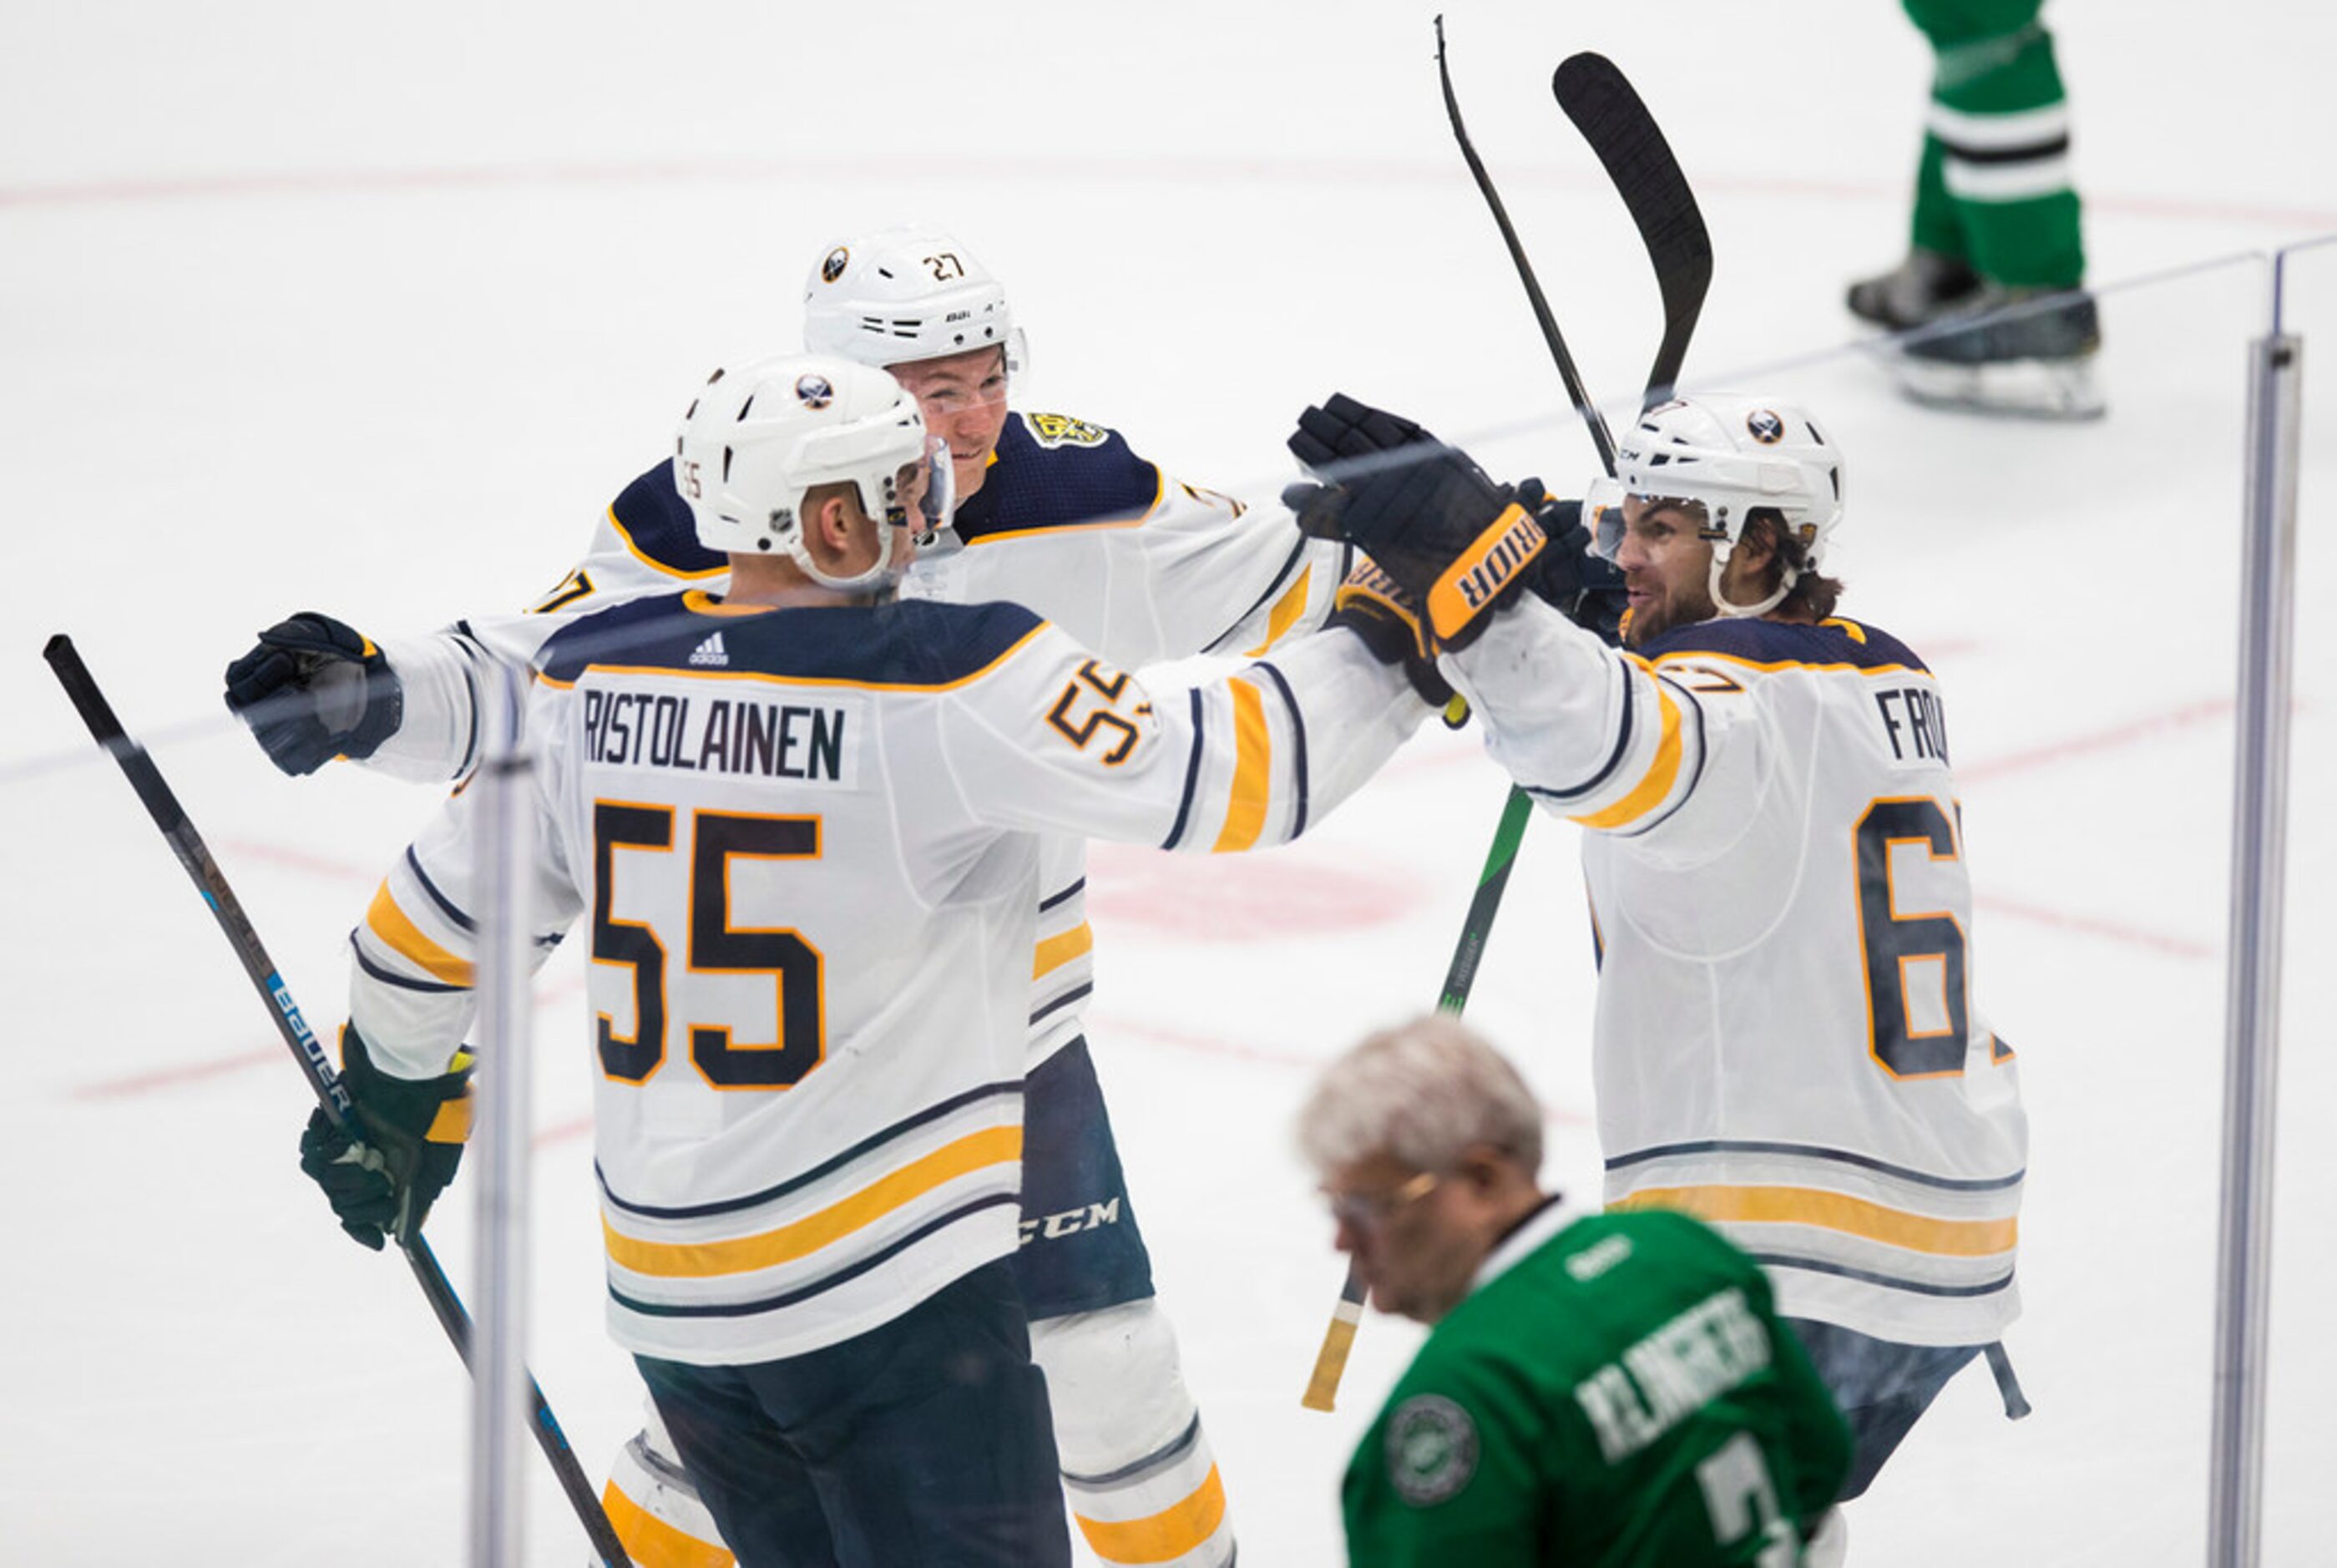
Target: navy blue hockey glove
[1426,513]
[1376,608]
[1585,587]
[384,1169]
[312,690]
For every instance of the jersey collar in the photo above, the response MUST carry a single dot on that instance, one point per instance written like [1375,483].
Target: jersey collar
[1524,1239]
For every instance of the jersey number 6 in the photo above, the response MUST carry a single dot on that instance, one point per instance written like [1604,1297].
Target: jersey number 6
[716,947]
[1932,942]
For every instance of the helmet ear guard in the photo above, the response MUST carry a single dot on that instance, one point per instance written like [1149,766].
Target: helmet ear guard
[761,437]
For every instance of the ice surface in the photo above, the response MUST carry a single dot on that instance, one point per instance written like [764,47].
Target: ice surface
[374,310]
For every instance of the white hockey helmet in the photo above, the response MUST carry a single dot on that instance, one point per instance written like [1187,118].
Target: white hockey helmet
[1734,455]
[904,294]
[758,437]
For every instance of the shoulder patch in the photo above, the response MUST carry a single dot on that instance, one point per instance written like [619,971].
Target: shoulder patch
[1052,472]
[1061,431]
[1432,1449]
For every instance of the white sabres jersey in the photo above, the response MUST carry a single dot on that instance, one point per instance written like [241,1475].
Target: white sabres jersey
[1069,521]
[1786,1044]
[806,847]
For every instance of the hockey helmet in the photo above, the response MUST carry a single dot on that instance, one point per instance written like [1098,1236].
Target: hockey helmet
[1732,455]
[905,294]
[760,436]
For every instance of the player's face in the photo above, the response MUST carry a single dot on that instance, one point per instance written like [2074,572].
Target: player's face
[963,399]
[1406,1230]
[1667,567]
[909,485]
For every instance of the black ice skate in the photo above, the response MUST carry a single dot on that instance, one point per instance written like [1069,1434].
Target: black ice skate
[2021,351]
[1923,287]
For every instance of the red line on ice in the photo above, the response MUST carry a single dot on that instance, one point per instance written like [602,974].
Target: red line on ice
[2187,717]
[1215,172]
[2093,925]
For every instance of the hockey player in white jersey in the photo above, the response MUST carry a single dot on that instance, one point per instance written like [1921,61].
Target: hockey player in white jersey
[1786,1042]
[806,824]
[1052,513]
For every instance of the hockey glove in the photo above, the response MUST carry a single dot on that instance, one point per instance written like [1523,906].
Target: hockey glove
[383,1168]
[1422,510]
[312,690]
[1586,587]
[1375,607]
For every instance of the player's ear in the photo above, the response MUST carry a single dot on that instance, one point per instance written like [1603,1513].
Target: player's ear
[832,523]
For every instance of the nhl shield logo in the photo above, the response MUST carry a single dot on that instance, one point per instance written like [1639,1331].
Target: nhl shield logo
[815,390]
[1766,426]
[833,267]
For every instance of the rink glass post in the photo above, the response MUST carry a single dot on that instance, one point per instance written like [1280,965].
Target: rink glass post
[2259,845]
[499,1399]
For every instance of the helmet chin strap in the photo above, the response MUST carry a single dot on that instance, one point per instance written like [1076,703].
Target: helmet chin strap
[1785,581]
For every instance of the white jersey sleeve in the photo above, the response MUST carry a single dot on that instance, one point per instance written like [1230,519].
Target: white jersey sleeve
[1137,565]
[645,544]
[1060,740]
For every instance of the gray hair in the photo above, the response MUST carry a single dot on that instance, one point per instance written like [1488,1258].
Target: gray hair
[1423,1093]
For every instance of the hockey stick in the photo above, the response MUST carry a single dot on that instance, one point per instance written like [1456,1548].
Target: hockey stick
[1339,1338]
[1639,161]
[196,858]
[1616,123]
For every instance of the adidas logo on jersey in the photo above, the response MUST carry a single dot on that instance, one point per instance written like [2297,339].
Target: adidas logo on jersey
[709,651]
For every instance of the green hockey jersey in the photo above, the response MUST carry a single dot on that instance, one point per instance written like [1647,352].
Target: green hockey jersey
[1615,1390]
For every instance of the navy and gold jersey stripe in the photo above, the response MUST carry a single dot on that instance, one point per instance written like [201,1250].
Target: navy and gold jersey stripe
[654,523]
[910,644]
[1726,1203]
[1814,1152]
[818,1173]
[803,1235]
[844,1275]
[1831,645]
[1886,1282]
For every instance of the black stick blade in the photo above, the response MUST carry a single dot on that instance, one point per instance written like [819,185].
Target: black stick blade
[1612,118]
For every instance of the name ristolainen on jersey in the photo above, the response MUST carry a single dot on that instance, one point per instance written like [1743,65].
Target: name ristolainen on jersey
[817,741]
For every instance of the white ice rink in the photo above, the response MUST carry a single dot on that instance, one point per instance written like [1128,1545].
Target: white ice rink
[374,309]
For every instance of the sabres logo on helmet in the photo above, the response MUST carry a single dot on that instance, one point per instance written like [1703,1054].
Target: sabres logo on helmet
[833,267]
[1766,426]
[815,390]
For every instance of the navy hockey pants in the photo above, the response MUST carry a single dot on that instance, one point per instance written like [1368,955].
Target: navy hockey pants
[1081,1250]
[1884,1387]
[926,1440]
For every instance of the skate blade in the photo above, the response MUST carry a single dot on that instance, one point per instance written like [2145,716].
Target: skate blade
[2016,389]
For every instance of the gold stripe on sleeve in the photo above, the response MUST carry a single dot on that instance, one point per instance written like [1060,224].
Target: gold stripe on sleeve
[386,920]
[1285,612]
[1058,950]
[1654,784]
[1253,771]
